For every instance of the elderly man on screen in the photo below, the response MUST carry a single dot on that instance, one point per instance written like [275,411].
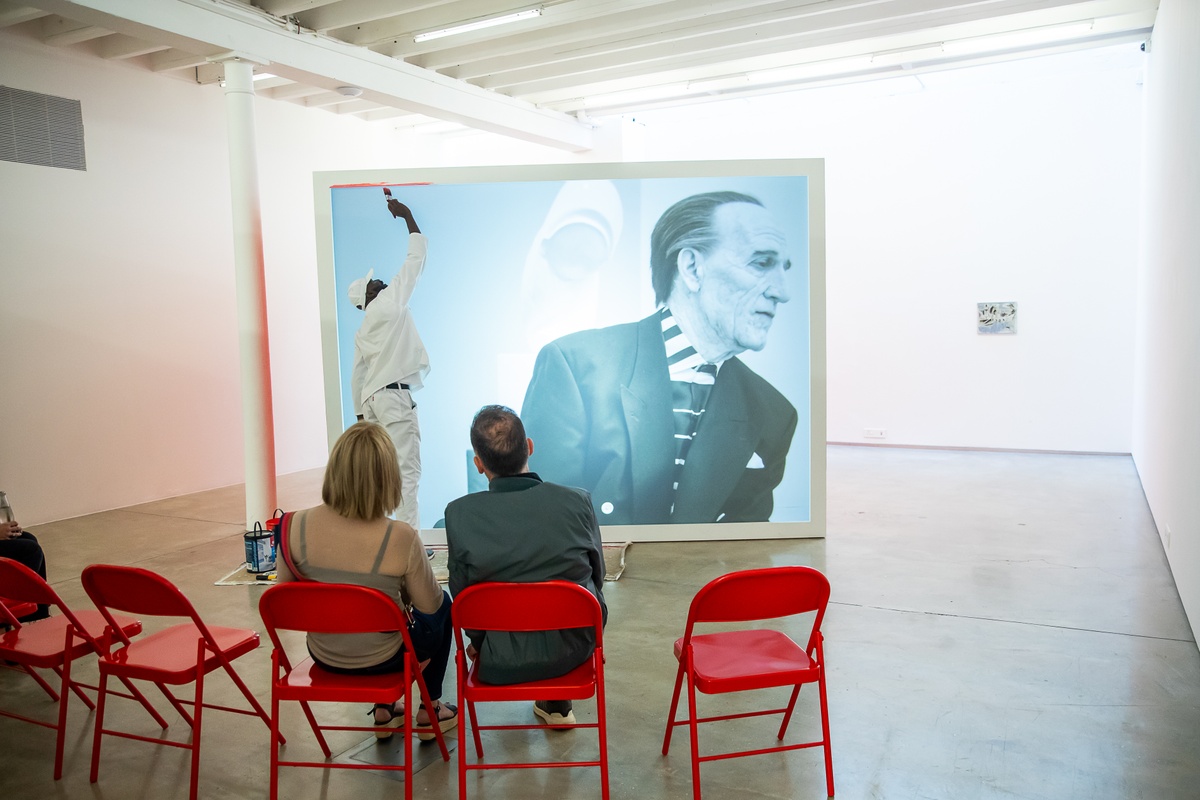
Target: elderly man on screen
[390,361]
[659,419]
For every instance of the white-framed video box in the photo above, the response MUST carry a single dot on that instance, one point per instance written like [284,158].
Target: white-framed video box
[521,260]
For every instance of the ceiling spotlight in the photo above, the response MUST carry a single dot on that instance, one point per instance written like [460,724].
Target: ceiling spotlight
[349,91]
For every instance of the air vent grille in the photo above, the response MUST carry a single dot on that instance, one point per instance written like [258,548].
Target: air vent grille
[41,129]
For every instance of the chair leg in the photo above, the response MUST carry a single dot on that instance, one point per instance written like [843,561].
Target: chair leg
[470,704]
[41,682]
[258,709]
[87,701]
[61,733]
[408,726]
[693,728]
[162,687]
[102,694]
[602,722]
[275,731]
[671,713]
[787,715]
[199,708]
[316,729]
[460,673]
[423,691]
[828,747]
[141,698]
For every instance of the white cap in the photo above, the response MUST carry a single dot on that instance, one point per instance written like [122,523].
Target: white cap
[358,290]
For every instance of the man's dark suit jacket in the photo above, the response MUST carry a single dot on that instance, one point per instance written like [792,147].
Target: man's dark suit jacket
[598,409]
[519,531]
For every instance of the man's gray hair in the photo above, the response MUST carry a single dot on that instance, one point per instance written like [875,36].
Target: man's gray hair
[687,224]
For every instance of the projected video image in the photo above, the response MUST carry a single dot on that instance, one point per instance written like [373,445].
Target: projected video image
[654,335]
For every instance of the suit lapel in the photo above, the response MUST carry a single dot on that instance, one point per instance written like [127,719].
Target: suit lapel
[723,446]
[647,404]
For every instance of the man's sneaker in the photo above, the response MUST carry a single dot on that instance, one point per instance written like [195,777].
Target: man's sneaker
[555,713]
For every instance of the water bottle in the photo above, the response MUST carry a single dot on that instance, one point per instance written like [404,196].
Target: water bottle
[6,512]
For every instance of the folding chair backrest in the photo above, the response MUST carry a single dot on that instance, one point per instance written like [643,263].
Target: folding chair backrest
[545,606]
[19,582]
[135,591]
[756,594]
[328,608]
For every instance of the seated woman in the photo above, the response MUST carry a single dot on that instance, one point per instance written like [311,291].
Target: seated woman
[349,539]
[21,545]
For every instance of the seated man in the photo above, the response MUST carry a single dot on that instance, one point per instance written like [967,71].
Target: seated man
[523,530]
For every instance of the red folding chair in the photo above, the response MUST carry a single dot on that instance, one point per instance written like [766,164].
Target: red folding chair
[177,655]
[53,643]
[339,608]
[545,606]
[735,661]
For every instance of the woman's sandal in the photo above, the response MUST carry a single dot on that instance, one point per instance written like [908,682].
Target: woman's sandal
[392,717]
[424,730]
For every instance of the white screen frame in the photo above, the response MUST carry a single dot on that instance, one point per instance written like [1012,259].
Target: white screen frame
[812,169]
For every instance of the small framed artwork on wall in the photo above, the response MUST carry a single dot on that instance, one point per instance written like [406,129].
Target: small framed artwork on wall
[997,317]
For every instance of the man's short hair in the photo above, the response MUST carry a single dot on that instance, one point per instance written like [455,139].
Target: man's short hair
[362,478]
[688,223]
[498,438]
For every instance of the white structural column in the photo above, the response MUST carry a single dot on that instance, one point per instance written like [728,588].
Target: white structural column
[258,421]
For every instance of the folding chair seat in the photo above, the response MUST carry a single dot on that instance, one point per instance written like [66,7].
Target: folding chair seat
[180,654]
[53,643]
[740,660]
[544,606]
[313,607]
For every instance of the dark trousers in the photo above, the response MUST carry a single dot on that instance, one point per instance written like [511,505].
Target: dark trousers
[431,636]
[25,549]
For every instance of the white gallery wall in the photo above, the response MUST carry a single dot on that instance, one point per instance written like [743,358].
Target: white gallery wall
[1166,434]
[119,335]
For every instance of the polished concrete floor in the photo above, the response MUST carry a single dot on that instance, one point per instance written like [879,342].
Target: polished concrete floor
[1002,626]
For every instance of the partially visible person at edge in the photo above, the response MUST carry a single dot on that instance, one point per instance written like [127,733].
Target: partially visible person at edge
[349,539]
[21,545]
[523,530]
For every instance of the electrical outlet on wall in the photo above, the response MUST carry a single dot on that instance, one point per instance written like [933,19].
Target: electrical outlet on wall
[874,433]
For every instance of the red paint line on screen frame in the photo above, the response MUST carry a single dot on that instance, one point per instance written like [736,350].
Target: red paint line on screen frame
[361,185]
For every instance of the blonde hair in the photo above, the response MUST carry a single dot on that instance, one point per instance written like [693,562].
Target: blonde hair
[362,478]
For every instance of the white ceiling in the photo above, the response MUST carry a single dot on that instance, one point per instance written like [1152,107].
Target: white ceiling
[547,78]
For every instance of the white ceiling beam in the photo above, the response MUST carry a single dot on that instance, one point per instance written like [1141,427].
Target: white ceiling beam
[643,58]
[307,57]
[326,99]
[356,12]
[13,14]
[60,32]
[286,8]
[119,46]
[291,91]
[1105,30]
[172,59]
[566,28]
[607,107]
[398,28]
[379,114]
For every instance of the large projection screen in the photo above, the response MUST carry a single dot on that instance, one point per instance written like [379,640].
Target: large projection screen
[522,256]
